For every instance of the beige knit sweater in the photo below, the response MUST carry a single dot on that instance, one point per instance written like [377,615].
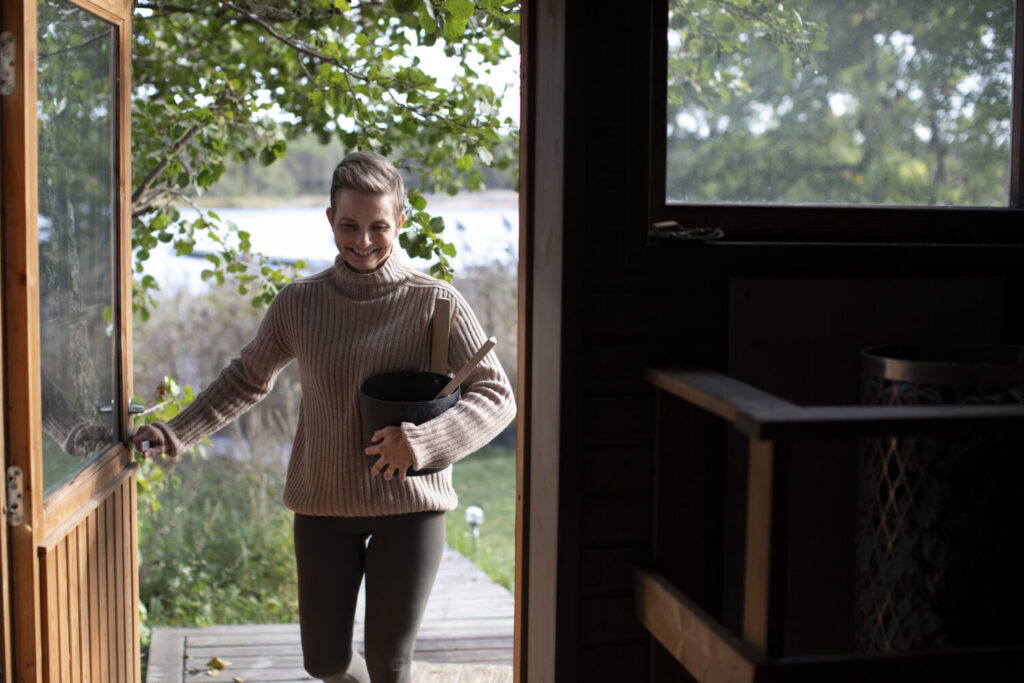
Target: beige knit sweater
[342,327]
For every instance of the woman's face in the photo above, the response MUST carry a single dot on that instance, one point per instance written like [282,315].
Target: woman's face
[365,227]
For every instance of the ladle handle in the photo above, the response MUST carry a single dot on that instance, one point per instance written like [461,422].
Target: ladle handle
[467,368]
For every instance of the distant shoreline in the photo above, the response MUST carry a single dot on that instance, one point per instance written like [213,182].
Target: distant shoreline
[464,200]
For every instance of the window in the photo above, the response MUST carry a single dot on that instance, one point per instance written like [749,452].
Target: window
[857,120]
[77,228]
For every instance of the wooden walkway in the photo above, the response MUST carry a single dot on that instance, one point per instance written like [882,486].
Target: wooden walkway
[469,620]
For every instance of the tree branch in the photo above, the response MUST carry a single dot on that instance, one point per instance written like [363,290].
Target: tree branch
[174,151]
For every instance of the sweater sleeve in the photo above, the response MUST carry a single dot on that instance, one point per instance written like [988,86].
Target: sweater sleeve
[239,386]
[486,407]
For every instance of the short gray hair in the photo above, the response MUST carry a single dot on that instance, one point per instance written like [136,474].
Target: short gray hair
[370,173]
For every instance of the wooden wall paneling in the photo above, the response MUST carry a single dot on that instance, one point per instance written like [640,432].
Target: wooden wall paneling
[89,610]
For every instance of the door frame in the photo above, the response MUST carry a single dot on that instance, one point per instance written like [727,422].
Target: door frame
[47,519]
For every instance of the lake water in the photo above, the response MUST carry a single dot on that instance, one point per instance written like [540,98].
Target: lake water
[484,228]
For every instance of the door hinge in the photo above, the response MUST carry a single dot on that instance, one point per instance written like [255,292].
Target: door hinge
[7,63]
[15,497]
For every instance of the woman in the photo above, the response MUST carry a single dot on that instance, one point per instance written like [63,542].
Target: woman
[368,314]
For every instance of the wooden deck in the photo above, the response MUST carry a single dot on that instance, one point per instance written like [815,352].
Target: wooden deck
[469,621]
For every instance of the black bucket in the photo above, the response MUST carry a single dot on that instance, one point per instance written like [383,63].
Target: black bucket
[395,397]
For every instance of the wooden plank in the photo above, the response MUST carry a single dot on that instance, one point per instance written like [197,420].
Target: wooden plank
[50,663]
[96,601]
[74,609]
[166,655]
[63,612]
[858,421]
[714,392]
[82,581]
[110,588]
[117,568]
[697,641]
[765,577]
[761,415]
[133,528]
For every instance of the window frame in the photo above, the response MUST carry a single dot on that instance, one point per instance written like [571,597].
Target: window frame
[672,222]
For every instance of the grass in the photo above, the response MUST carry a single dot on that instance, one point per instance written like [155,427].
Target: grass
[487,479]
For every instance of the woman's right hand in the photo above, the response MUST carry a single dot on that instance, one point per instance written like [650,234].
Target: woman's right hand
[155,438]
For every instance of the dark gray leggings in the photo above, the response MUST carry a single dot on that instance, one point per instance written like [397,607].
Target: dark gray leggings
[400,562]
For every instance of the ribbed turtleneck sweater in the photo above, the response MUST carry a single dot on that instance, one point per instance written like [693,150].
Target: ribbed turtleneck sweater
[342,327]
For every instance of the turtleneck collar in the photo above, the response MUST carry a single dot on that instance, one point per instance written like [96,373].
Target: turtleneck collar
[370,285]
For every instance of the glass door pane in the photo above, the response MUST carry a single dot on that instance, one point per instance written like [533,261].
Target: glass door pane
[77,214]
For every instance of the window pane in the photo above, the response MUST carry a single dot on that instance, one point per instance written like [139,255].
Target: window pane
[76,238]
[840,101]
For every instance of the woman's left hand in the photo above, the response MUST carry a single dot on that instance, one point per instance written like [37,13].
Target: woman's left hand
[393,449]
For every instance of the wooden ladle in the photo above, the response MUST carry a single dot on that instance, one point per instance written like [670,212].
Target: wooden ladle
[467,368]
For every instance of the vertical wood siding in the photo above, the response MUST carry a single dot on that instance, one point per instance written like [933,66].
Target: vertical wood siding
[89,588]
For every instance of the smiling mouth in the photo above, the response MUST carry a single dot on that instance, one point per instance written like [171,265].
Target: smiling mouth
[362,254]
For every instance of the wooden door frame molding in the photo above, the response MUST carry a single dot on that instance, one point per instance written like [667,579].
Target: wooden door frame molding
[547,538]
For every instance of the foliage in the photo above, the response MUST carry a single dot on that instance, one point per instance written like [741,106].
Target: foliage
[487,479]
[300,178]
[231,81]
[218,548]
[711,40]
[903,103]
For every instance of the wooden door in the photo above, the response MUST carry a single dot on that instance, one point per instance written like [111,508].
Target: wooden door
[72,589]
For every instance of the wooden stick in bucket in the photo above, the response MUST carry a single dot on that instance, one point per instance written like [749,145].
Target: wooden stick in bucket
[467,368]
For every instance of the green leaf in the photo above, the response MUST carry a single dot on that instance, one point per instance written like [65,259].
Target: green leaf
[464,163]
[343,5]
[267,156]
[454,28]
[427,22]
[460,9]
